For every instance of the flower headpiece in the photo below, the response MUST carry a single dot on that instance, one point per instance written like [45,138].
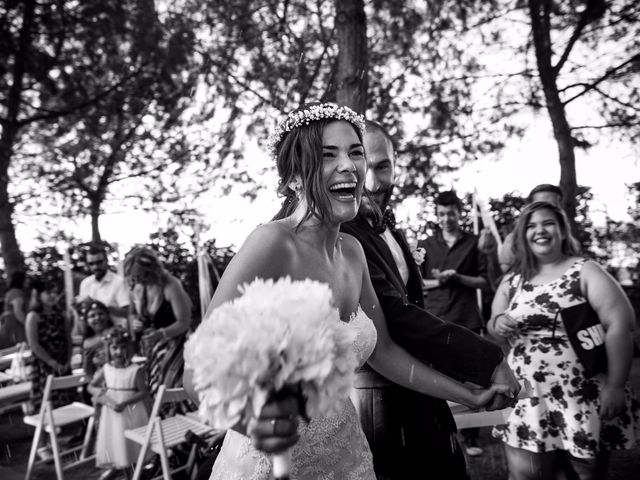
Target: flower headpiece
[117,335]
[312,113]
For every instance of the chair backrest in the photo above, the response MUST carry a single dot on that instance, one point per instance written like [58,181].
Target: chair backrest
[9,350]
[171,395]
[167,395]
[58,383]
[68,381]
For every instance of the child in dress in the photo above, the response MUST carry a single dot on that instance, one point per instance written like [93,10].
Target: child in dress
[120,388]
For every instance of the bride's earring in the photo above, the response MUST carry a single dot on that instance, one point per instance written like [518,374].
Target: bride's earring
[296,187]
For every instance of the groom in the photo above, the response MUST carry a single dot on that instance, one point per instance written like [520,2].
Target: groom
[412,435]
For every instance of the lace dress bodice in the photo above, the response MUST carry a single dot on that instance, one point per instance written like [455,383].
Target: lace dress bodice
[331,448]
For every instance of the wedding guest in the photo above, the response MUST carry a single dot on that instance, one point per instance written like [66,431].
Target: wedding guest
[411,434]
[49,336]
[571,422]
[120,392]
[544,192]
[98,324]
[12,321]
[105,286]
[161,313]
[453,270]
[321,163]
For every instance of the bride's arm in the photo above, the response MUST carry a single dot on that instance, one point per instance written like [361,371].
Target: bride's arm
[261,256]
[393,362]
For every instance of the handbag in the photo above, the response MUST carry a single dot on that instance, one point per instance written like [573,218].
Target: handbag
[586,335]
[20,368]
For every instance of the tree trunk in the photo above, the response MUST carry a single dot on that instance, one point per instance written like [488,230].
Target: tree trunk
[13,258]
[353,64]
[95,222]
[539,11]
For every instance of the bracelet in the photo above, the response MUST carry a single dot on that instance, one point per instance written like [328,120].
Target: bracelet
[495,319]
[164,334]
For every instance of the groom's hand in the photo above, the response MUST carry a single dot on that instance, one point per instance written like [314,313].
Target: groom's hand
[276,429]
[504,375]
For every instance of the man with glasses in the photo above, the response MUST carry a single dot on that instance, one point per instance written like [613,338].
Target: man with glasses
[105,286]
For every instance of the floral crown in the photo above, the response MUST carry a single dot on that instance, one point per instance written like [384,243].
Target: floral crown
[117,335]
[312,113]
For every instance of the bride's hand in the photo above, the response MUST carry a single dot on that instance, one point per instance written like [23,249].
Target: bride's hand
[276,429]
[480,397]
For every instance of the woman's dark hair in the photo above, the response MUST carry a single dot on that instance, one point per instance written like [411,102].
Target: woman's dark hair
[300,154]
[38,286]
[17,279]
[526,263]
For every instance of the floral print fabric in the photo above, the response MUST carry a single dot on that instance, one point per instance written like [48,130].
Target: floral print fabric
[562,413]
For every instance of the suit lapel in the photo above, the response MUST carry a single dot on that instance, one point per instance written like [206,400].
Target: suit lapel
[414,284]
[369,238]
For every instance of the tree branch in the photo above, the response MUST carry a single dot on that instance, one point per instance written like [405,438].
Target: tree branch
[609,73]
[50,114]
[241,83]
[592,12]
[608,125]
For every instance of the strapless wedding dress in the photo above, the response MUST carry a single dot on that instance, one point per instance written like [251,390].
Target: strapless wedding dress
[330,448]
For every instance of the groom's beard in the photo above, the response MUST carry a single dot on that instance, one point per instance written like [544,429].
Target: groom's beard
[371,209]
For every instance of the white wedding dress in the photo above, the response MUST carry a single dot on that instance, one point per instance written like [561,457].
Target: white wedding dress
[330,448]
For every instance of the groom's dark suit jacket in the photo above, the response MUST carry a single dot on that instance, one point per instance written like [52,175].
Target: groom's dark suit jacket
[420,428]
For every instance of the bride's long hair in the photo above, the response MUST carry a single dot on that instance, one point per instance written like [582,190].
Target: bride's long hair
[299,155]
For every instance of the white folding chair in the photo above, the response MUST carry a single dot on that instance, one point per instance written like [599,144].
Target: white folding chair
[161,435]
[15,396]
[7,355]
[51,419]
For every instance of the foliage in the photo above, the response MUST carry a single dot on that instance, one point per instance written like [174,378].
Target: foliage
[267,58]
[137,68]
[579,63]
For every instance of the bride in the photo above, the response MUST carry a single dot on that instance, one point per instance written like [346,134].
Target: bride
[321,162]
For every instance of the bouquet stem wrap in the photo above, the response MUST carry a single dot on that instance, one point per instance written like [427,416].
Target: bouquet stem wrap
[282,465]
[277,336]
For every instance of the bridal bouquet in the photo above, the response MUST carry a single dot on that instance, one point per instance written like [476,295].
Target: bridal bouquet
[277,336]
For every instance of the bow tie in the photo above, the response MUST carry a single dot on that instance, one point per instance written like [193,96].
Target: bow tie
[388,221]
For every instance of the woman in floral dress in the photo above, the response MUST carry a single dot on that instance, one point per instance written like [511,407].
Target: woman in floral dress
[571,422]
[48,334]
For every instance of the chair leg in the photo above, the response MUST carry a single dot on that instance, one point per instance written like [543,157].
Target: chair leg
[54,444]
[34,446]
[87,438]
[190,461]
[164,461]
[144,448]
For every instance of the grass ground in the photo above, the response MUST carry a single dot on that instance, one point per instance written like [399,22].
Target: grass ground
[15,438]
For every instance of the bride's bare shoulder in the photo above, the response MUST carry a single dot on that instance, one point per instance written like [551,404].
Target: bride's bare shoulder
[351,248]
[272,237]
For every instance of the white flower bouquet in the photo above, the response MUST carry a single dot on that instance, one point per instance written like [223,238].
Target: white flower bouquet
[277,336]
